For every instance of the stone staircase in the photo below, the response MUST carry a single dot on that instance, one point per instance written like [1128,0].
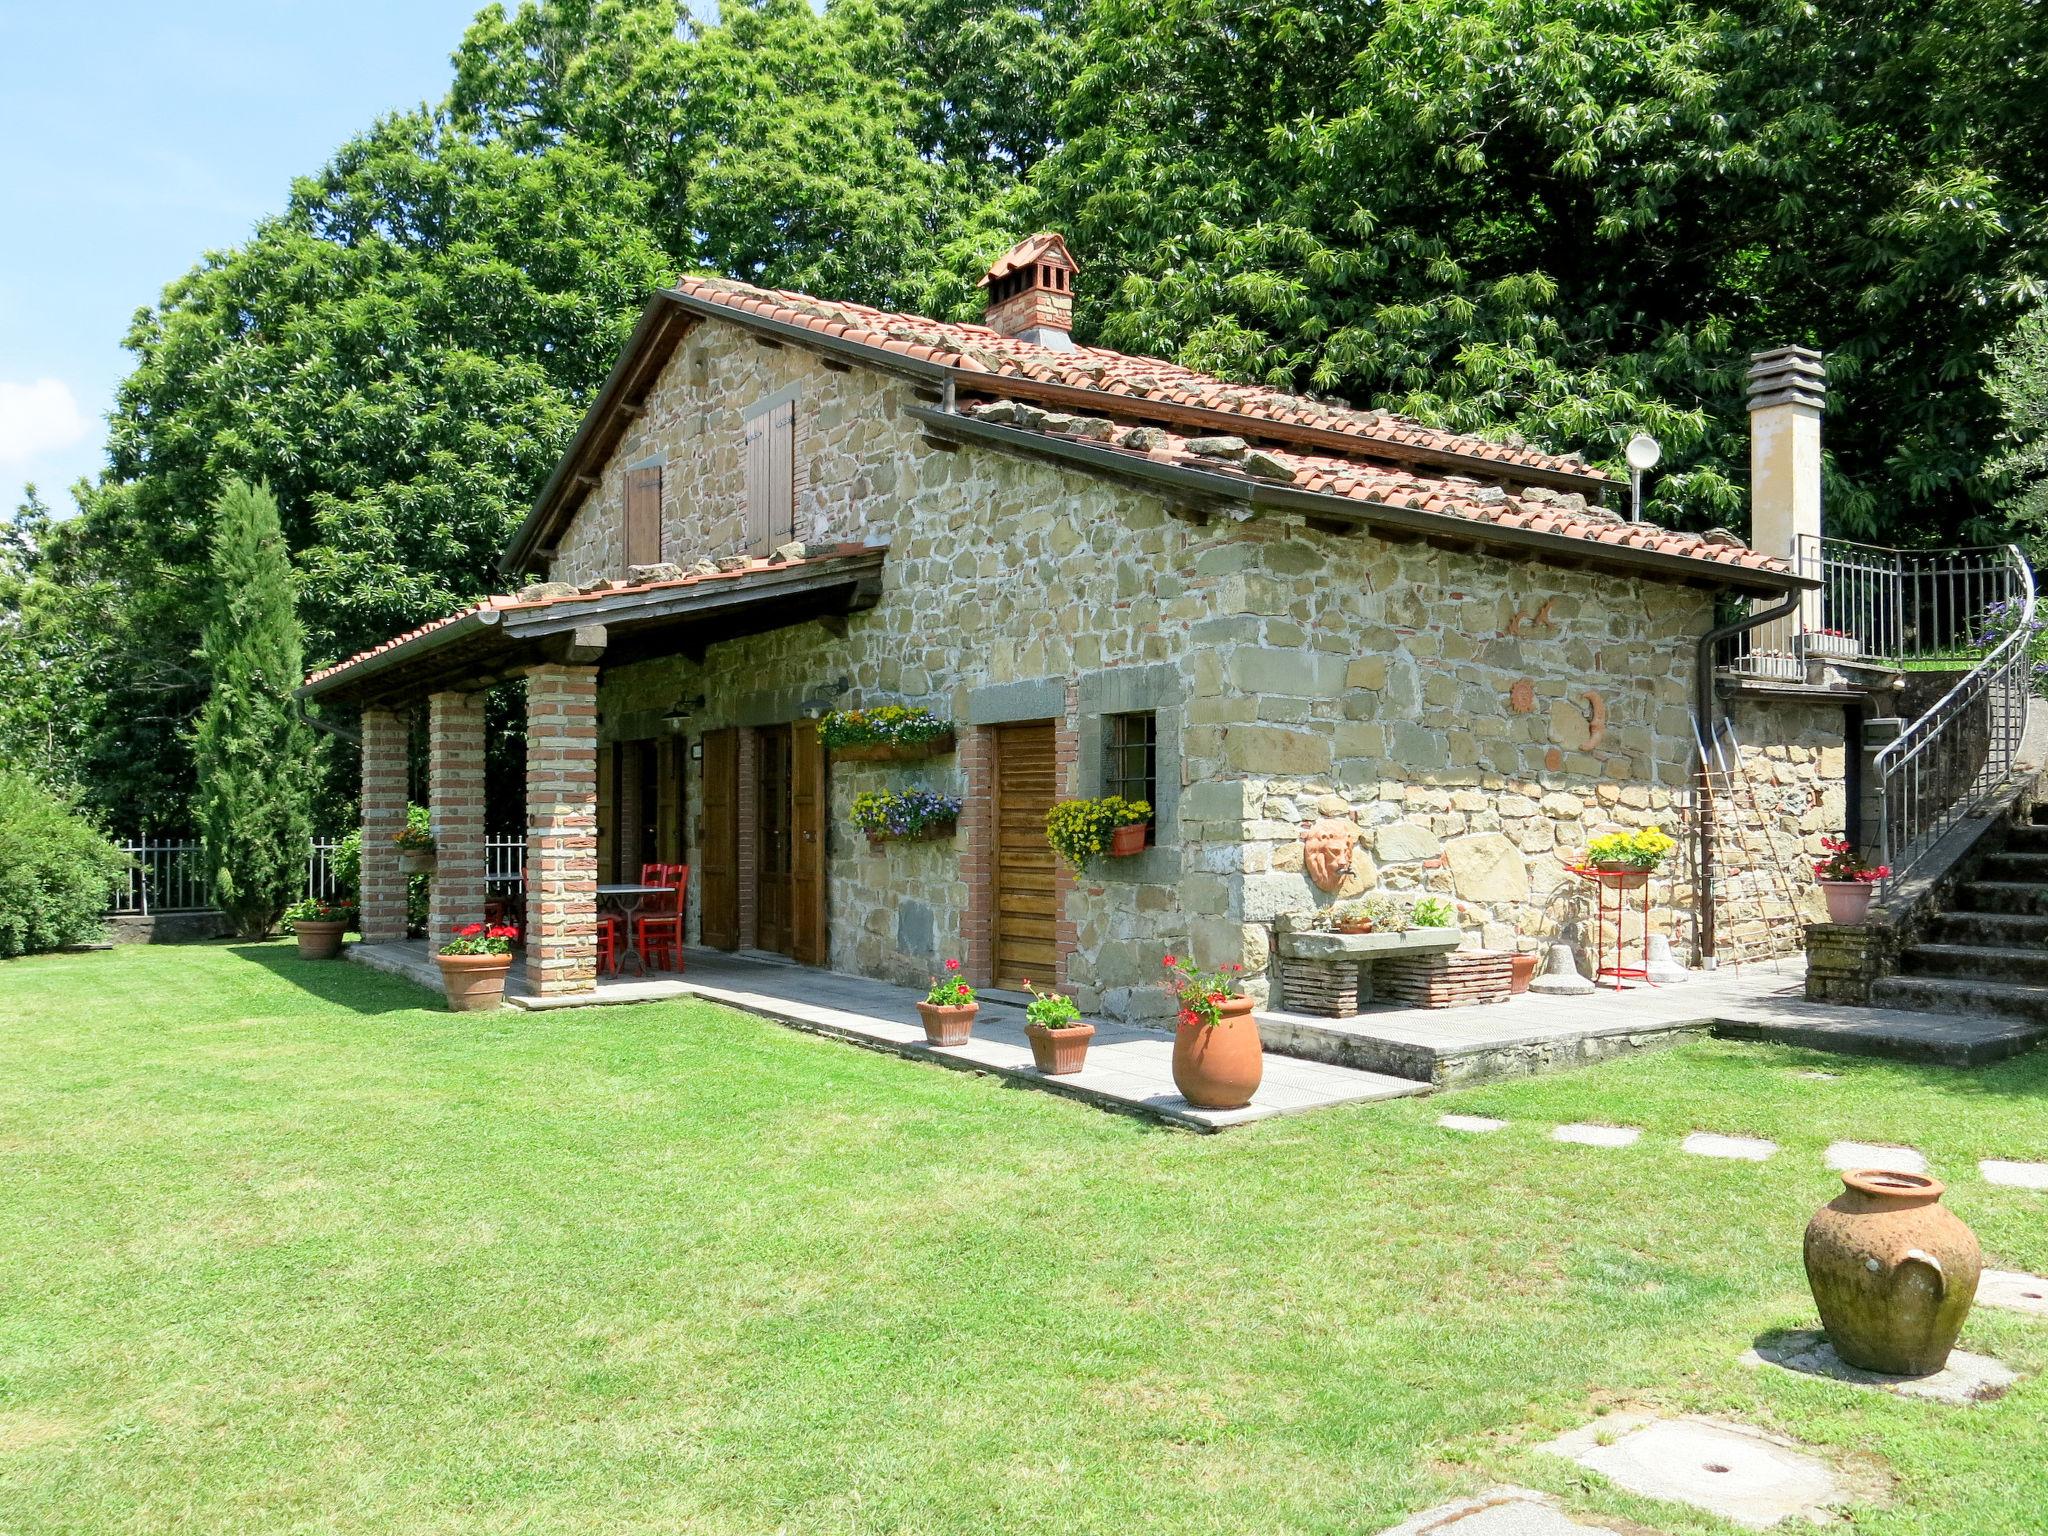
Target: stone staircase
[1986,951]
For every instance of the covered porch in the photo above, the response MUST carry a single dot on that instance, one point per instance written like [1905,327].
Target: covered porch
[587,803]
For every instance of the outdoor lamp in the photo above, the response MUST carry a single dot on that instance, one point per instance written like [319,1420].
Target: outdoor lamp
[1643,452]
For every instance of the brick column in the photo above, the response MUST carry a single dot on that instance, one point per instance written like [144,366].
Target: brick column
[1066,760]
[381,883]
[746,854]
[561,829]
[455,801]
[977,853]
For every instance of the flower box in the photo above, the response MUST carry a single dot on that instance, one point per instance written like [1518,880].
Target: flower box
[895,751]
[1831,642]
[934,832]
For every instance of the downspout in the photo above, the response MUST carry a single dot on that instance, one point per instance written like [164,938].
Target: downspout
[1703,715]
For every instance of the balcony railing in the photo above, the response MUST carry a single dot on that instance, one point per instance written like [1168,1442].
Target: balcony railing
[170,875]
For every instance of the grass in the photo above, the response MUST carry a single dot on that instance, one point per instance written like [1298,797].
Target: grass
[287,1252]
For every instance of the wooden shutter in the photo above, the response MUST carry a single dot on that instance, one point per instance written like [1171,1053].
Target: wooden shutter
[771,476]
[808,939]
[643,516]
[718,890]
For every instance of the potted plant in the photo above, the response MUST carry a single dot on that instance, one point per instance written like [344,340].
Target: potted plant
[1634,856]
[892,733]
[948,1010]
[1847,880]
[473,966]
[1107,827]
[1217,1061]
[1432,912]
[415,842]
[1831,642]
[905,815]
[318,925]
[1059,1038]
[1373,914]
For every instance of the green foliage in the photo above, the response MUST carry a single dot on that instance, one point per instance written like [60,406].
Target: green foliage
[1643,849]
[1050,1010]
[311,909]
[46,632]
[890,724]
[950,990]
[1079,830]
[250,749]
[1433,912]
[2019,382]
[56,870]
[417,835]
[900,813]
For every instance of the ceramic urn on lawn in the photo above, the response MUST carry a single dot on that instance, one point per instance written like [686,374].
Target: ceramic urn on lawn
[1217,1059]
[1893,1272]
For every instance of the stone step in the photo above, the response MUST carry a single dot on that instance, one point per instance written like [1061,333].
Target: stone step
[1951,994]
[2011,865]
[1455,1047]
[1972,962]
[2012,896]
[2030,839]
[1990,930]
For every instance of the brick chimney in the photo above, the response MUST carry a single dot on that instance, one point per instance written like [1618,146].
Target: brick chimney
[1787,387]
[1031,292]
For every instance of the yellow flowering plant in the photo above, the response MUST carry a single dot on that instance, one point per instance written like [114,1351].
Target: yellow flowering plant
[1630,850]
[1079,830]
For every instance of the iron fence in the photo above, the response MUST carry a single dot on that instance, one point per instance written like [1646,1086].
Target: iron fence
[169,875]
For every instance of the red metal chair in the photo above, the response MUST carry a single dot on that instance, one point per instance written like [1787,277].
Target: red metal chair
[608,934]
[659,929]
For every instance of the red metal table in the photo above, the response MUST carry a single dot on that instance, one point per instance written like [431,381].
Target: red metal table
[1620,882]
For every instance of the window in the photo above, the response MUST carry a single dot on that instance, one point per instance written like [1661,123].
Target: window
[771,474]
[1130,765]
[643,516]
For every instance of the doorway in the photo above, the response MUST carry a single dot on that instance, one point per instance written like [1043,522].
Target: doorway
[761,840]
[1024,891]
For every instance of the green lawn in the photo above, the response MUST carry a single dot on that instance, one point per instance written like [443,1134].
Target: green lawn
[281,1250]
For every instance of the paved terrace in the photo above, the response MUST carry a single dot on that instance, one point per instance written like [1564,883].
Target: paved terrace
[1411,1050]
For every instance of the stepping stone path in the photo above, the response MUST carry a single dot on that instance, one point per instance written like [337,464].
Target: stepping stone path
[1478,1125]
[1730,1470]
[1497,1512]
[1966,1379]
[1745,1149]
[1598,1135]
[1844,1156]
[2014,1291]
[2014,1175]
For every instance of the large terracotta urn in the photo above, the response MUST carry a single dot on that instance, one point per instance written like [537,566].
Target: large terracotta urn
[1218,1066]
[318,940]
[1893,1272]
[474,983]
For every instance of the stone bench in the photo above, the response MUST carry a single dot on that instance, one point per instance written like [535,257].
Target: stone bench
[1330,974]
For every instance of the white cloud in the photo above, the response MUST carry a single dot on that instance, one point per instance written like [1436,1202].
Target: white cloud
[38,418]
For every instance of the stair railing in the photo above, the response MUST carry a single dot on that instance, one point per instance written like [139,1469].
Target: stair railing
[1975,606]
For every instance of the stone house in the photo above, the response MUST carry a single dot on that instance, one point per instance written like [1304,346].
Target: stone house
[1260,611]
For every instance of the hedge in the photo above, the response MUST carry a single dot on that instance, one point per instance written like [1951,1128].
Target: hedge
[56,871]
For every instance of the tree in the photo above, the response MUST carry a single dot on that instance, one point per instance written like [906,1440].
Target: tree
[251,749]
[47,693]
[2019,382]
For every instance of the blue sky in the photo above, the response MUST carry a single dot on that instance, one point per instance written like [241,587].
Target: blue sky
[139,136]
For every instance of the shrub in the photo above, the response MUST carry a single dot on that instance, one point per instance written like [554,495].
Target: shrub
[55,870]
[1079,830]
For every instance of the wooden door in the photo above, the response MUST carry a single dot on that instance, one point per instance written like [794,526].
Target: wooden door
[774,830]
[1025,901]
[808,940]
[718,842]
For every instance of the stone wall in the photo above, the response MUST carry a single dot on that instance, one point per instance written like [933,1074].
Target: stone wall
[1476,718]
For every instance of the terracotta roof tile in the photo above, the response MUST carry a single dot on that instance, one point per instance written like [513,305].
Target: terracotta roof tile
[976,348]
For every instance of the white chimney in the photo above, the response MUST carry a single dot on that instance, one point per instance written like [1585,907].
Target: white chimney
[1787,388]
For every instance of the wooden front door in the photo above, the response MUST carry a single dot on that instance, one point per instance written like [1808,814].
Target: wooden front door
[774,828]
[807,803]
[718,842]
[1024,899]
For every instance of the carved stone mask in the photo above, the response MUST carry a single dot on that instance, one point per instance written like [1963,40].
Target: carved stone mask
[1327,847]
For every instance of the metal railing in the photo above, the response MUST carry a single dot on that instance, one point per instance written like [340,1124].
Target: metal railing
[170,875]
[1882,605]
[1962,750]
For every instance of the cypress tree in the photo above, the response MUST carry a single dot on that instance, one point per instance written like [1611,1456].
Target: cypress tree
[251,748]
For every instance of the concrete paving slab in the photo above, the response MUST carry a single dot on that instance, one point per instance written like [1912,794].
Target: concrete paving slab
[1965,1380]
[1744,1149]
[2013,1291]
[1997,1170]
[1506,1511]
[1732,1470]
[1478,1125]
[1598,1135]
[1844,1156]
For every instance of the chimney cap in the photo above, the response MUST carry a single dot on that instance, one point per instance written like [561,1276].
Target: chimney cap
[1791,375]
[1045,248]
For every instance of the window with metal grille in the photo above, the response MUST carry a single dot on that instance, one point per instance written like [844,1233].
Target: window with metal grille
[1130,766]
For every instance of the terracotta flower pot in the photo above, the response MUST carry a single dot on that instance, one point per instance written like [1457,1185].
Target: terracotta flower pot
[1848,900]
[473,982]
[320,941]
[1218,1066]
[1056,1052]
[1521,971]
[1627,877]
[947,1026]
[1125,841]
[1893,1272]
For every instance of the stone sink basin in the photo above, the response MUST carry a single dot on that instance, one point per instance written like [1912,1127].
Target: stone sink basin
[1312,944]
